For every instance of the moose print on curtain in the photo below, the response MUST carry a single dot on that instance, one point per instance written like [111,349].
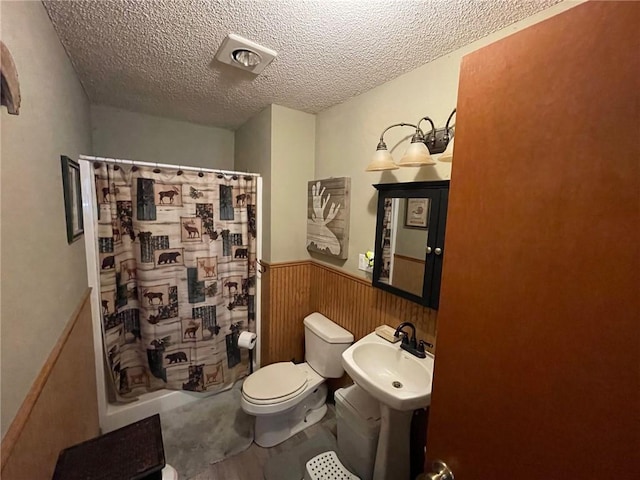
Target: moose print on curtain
[177,276]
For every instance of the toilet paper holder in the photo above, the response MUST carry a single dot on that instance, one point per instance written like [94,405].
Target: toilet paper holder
[247,340]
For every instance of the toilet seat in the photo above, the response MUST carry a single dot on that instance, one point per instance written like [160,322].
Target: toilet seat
[275,383]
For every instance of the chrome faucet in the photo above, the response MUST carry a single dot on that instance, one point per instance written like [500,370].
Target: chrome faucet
[410,344]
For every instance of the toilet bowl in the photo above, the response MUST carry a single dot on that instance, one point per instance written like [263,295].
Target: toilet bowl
[285,397]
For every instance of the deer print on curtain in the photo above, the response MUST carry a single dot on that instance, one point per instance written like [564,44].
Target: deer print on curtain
[177,276]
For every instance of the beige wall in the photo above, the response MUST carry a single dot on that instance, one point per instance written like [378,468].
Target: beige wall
[43,278]
[63,394]
[292,158]
[279,143]
[253,154]
[136,136]
[347,134]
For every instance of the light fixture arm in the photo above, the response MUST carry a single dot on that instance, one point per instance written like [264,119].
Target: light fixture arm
[432,133]
[446,127]
[381,144]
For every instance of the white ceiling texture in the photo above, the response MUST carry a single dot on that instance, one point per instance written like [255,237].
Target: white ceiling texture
[157,56]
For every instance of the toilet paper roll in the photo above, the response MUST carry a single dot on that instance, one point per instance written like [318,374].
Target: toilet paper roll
[247,340]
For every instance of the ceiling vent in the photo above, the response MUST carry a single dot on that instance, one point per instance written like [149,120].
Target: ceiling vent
[245,54]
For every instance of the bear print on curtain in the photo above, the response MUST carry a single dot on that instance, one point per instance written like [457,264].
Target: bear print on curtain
[177,276]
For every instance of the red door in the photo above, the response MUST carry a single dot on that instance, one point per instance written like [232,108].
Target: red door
[537,367]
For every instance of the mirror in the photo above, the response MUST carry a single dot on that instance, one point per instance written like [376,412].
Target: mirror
[404,244]
[410,238]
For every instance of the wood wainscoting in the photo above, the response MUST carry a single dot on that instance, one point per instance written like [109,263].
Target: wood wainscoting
[61,408]
[286,289]
[290,291]
[408,274]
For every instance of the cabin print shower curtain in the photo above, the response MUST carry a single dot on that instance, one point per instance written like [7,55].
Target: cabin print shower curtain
[177,276]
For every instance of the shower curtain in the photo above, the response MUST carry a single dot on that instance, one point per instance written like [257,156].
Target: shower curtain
[177,276]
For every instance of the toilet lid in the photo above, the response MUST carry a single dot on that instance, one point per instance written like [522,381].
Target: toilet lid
[275,381]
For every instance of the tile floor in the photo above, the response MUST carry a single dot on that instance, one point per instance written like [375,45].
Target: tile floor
[249,464]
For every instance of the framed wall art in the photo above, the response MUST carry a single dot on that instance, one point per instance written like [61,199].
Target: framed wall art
[417,213]
[72,198]
[328,203]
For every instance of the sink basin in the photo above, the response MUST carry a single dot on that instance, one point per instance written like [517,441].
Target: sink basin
[393,376]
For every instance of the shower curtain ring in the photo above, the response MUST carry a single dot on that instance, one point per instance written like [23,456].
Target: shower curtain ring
[263,267]
[180,172]
[200,174]
[156,170]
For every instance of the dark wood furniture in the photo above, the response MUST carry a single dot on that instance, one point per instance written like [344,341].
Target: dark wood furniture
[395,231]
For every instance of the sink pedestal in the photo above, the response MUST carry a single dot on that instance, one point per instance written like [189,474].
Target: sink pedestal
[401,382]
[392,455]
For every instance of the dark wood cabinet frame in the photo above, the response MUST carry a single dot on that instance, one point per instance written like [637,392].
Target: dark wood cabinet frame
[438,193]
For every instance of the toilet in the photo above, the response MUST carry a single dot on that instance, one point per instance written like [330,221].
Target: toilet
[285,397]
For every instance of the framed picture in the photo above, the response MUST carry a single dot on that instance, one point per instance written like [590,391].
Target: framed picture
[328,215]
[417,213]
[72,198]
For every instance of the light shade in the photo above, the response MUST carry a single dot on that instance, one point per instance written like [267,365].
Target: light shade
[447,155]
[381,160]
[416,155]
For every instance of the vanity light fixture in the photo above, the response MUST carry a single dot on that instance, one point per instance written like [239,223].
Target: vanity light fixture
[244,54]
[418,154]
[447,155]
[420,149]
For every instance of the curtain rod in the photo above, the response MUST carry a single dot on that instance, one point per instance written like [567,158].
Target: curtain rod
[164,165]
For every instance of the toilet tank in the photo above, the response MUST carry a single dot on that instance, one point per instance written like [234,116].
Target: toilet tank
[324,342]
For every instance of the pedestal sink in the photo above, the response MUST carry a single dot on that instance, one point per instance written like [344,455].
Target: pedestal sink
[401,382]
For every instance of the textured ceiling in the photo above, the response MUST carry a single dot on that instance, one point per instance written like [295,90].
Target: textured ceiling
[156,56]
